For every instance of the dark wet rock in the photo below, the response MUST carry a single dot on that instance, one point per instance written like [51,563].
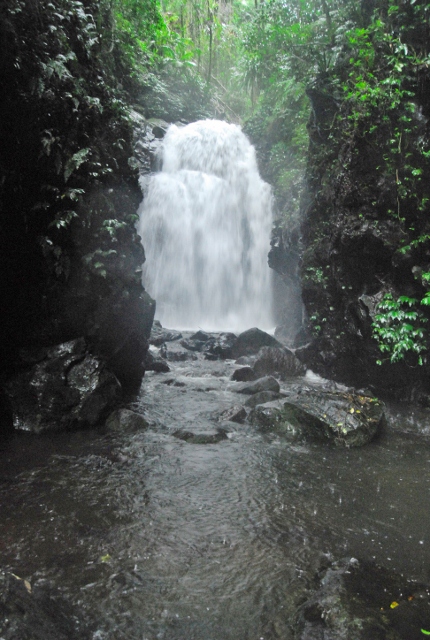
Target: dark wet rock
[193,345]
[125,419]
[345,419]
[6,414]
[279,362]
[221,347]
[247,360]
[172,382]
[201,336]
[37,613]
[234,414]
[267,383]
[261,398]
[159,335]
[203,437]
[69,388]
[156,363]
[175,352]
[250,342]
[244,374]
[359,600]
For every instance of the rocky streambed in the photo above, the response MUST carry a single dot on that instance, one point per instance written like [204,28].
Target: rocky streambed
[198,511]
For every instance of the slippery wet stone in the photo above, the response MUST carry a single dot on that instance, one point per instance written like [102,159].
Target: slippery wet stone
[345,419]
[359,600]
[67,388]
[244,374]
[209,436]
[262,397]
[125,419]
[159,335]
[234,414]
[278,361]
[250,342]
[267,383]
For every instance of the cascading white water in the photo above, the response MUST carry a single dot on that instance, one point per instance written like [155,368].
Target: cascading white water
[205,224]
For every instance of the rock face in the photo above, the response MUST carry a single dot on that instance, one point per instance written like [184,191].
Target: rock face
[36,614]
[358,600]
[66,388]
[250,342]
[280,362]
[364,216]
[344,419]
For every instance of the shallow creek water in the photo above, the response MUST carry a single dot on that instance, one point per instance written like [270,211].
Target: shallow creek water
[159,538]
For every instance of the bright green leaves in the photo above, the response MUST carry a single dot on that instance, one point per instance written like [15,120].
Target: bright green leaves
[399,328]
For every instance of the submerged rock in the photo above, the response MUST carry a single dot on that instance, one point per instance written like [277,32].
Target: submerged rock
[267,383]
[278,361]
[345,419]
[67,388]
[250,342]
[359,600]
[203,437]
[37,613]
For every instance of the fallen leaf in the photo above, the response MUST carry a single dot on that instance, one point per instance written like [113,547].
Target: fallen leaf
[394,604]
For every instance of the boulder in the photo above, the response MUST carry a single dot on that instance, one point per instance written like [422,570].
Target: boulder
[359,600]
[125,419]
[159,335]
[279,362]
[262,397]
[209,436]
[37,613]
[345,419]
[267,383]
[251,341]
[156,363]
[234,414]
[220,348]
[244,374]
[67,388]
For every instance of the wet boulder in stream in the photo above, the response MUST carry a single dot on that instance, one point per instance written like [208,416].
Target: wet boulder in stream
[278,361]
[251,341]
[345,419]
[65,388]
[359,600]
[267,383]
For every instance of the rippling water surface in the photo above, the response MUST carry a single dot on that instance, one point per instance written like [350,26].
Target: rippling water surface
[159,538]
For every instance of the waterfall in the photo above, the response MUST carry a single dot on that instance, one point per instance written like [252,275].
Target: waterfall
[205,223]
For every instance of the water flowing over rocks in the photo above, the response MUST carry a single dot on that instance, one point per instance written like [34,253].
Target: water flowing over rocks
[345,419]
[37,613]
[65,388]
[359,600]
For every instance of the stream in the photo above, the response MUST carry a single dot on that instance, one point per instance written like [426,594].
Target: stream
[159,538]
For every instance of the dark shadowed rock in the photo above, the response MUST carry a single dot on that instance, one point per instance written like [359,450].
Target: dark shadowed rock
[125,419]
[193,345]
[359,600]
[160,335]
[279,362]
[244,374]
[268,383]
[345,419]
[202,437]
[261,398]
[36,614]
[69,388]
[156,363]
[175,352]
[251,341]
[221,347]
[234,414]
[201,336]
